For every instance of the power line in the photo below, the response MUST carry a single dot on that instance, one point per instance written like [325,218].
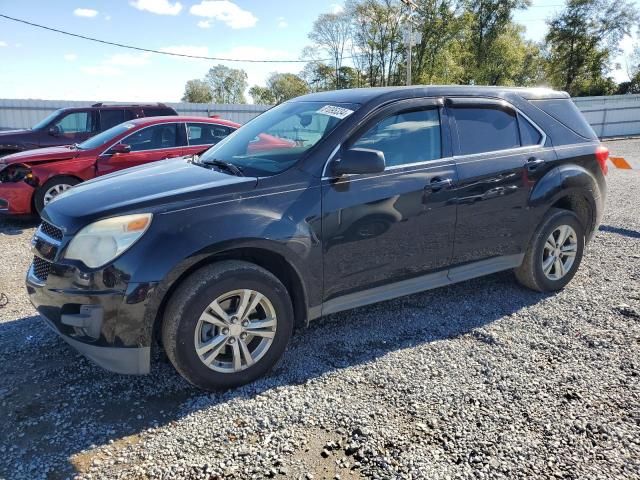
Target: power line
[150,50]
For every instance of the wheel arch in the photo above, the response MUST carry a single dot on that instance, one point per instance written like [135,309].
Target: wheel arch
[569,187]
[269,259]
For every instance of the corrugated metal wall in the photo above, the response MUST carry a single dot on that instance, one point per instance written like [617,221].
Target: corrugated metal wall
[612,116]
[26,113]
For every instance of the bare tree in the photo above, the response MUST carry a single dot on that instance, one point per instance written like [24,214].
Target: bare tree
[331,33]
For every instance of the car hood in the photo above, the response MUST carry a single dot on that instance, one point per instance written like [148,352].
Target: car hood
[6,133]
[157,187]
[41,155]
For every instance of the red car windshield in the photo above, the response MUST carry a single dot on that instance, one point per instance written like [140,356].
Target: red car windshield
[277,139]
[106,136]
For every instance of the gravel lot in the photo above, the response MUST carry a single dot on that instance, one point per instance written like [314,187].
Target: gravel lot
[482,379]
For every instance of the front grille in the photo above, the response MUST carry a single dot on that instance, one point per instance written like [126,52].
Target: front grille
[41,269]
[51,231]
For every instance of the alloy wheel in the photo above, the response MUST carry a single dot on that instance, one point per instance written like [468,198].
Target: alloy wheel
[54,191]
[235,331]
[559,252]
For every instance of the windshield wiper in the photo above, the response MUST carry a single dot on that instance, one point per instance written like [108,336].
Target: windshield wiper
[76,146]
[229,167]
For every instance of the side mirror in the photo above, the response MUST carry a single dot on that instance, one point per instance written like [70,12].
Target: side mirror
[54,131]
[359,160]
[120,148]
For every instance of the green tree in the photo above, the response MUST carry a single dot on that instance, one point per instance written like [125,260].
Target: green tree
[284,86]
[280,88]
[261,95]
[197,91]
[583,40]
[227,84]
[487,21]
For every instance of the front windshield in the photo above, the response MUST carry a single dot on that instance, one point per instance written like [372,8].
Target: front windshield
[106,136]
[46,120]
[275,140]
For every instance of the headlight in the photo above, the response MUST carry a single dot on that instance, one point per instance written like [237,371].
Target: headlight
[13,173]
[103,241]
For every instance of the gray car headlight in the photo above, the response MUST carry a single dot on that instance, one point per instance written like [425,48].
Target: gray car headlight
[103,241]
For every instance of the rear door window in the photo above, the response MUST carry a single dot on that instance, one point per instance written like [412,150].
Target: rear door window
[486,129]
[111,118]
[529,135]
[206,133]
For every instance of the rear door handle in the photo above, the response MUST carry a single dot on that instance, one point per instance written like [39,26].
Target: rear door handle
[533,163]
[438,183]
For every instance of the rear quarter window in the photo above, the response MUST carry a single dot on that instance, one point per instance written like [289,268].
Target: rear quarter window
[566,112]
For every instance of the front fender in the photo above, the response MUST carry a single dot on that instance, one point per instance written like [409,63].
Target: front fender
[75,167]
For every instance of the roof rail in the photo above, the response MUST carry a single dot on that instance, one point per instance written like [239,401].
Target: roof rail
[102,104]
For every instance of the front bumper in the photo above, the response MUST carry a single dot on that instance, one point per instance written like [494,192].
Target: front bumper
[99,313]
[16,198]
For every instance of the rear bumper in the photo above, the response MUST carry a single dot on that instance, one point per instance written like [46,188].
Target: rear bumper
[106,325]
[16,198]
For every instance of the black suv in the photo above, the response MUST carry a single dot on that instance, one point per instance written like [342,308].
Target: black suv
[324,203]
[74,125]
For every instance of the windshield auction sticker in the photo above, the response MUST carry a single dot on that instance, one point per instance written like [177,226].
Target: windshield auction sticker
[337,112]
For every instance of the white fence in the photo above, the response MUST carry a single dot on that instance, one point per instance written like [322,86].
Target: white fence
[26,113]
[612,116]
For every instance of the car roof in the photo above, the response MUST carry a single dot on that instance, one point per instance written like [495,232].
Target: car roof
[144,121]
[366,95]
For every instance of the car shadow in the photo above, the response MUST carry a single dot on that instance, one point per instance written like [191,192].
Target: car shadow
[48,391]
[620,231]
[17,225]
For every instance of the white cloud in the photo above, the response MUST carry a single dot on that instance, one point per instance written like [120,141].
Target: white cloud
[159,7]
[282,23]
[102,70]
[3,44]
[70,57]
[85,12]
[336,8]
[224,11]
[204,23]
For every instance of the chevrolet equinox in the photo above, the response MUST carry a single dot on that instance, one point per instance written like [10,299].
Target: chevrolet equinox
[367,195]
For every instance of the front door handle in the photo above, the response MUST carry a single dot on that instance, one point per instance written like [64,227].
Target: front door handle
[533,163]
[438,183]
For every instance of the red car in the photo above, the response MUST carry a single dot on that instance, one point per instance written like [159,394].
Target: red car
[29,180]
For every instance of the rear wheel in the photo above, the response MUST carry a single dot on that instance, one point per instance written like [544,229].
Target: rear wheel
[51,189]
[227,325]
[554,254]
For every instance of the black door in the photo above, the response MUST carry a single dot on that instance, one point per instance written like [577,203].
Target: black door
[499,155]
[381,228]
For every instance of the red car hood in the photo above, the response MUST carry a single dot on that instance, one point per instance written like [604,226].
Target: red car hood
[41,155]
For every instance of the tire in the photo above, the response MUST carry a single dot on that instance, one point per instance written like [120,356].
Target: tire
[40,199]
[183,327]
[540,254]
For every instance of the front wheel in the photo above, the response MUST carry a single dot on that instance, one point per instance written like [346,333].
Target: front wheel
[554,254]
[227,325]
[51,189]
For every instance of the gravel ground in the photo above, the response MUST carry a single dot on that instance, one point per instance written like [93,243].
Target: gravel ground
[483,379]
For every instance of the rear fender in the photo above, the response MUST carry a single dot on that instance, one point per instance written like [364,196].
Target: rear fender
[561,182]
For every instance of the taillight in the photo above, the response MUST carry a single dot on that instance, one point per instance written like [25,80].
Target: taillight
[602,155]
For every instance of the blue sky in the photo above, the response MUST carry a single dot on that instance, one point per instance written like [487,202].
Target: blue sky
[47,65]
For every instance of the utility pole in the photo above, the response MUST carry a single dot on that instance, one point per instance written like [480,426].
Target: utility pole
[411,4]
